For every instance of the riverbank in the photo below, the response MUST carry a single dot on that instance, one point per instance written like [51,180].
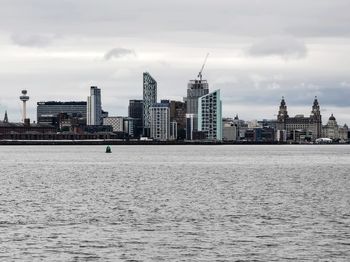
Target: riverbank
[133,142]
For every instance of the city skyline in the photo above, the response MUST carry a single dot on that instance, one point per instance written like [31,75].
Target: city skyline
[254,60]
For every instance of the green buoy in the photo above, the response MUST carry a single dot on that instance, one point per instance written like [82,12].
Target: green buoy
[108,149]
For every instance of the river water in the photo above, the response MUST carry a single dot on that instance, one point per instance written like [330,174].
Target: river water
[175,203]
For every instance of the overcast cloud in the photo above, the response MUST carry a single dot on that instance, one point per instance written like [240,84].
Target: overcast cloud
[259,51]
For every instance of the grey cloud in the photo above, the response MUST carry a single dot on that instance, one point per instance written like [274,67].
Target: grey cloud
[118,53]
[174,33]
[284,46]
[32,40]
[146,18]
[271,88]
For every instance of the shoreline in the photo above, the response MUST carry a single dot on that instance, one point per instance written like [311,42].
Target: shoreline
[121,142]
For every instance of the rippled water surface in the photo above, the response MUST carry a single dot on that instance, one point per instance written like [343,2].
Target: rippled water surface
[175,203]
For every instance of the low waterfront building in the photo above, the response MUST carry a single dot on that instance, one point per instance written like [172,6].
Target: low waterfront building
[120,124]
[344,133]
[25,128]
[260,135]
[52,109]
[229,131]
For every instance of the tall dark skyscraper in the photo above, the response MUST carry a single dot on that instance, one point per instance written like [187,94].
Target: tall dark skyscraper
[149,99]
[136,112]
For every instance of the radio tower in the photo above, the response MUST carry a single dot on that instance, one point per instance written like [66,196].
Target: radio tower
[24,98]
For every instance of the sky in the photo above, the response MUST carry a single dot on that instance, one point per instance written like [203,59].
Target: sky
[259,51]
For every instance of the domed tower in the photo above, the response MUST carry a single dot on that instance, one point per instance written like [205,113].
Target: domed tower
[282,115]
[331,130]
[316,119]
[332,119]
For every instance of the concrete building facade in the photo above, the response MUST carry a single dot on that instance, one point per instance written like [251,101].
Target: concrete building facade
[195,90]
[310,127]
[160,122]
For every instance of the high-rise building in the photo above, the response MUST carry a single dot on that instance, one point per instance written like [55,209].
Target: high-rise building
[94,107]
[178,115]
[210,116]
[136,113]
[195,90]
[160,122]
[149,99]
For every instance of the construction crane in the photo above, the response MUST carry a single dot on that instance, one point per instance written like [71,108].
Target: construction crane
[200,72]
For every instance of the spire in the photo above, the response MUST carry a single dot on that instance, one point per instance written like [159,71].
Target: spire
[6,120]
[316,107]
[283,103]
[315,102]
[282,113]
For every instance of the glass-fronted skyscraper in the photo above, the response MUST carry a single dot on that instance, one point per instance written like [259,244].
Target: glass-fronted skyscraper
[136,113]
[54,108]
[149,99]
[94,107]
[210,116]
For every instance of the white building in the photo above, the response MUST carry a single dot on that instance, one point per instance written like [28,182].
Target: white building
[160,122]
[210,115]
[94,107]
[190,123]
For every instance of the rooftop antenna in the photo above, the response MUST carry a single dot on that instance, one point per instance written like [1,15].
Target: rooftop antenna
[200,72]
